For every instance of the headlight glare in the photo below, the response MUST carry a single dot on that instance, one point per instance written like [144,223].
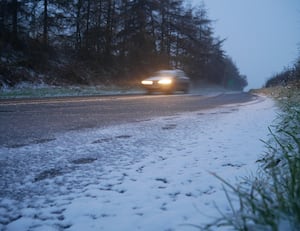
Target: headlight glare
[147,82]
[165,81]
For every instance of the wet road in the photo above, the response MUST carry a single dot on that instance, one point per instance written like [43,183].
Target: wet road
[34,121]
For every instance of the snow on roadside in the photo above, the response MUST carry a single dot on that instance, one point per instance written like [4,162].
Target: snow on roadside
[148,175]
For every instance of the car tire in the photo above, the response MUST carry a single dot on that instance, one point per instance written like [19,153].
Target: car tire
[186,91]
[149,92]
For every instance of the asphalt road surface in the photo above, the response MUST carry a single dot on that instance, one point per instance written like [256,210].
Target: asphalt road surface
[26,121]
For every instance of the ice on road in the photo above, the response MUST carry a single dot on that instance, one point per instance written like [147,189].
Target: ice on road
[147,175]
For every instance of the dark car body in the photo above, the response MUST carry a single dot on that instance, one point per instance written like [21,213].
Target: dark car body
[167,81]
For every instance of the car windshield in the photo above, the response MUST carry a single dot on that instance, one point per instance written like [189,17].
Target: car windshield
[166,73]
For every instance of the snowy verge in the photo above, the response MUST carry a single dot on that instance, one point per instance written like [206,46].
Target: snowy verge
[148,175]
[42,90]
[27,90]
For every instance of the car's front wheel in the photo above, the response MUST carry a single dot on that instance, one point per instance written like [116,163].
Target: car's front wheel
[149,92]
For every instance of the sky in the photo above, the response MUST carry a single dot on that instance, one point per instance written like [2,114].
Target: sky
[262,36]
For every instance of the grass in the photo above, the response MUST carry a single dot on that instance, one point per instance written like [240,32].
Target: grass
[269,200]
[58,91]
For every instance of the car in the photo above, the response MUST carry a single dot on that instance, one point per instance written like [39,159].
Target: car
[167,81]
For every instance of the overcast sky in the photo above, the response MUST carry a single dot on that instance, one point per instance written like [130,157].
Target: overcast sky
[262,36]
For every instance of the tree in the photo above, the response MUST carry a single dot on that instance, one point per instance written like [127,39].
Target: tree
[232,78]
[45,24]
[78,27]
[11,12]
[126,38]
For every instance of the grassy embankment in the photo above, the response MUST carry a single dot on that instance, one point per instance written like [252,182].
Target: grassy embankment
[57,91]
[270,200]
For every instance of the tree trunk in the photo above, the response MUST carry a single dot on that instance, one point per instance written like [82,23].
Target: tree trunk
[88,24]
[45,31]
[108,30]
[15,20]
[78,19]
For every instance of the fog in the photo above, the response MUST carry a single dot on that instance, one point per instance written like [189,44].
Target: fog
[262,37]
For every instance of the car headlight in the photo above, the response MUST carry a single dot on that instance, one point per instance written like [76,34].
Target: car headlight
[165,81]
[147,82]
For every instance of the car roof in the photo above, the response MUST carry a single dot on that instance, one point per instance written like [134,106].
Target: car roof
[168,73]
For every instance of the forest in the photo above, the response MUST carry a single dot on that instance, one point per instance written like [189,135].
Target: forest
[110,41]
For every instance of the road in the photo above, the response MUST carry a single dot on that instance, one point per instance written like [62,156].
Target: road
[23,122]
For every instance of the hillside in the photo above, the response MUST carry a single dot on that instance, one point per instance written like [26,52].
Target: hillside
[92,43]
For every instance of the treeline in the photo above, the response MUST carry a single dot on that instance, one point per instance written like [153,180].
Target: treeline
[86,41]
[290,75]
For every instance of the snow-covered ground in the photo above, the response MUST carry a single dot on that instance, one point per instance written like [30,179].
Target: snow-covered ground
[29,90]
[148,175]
